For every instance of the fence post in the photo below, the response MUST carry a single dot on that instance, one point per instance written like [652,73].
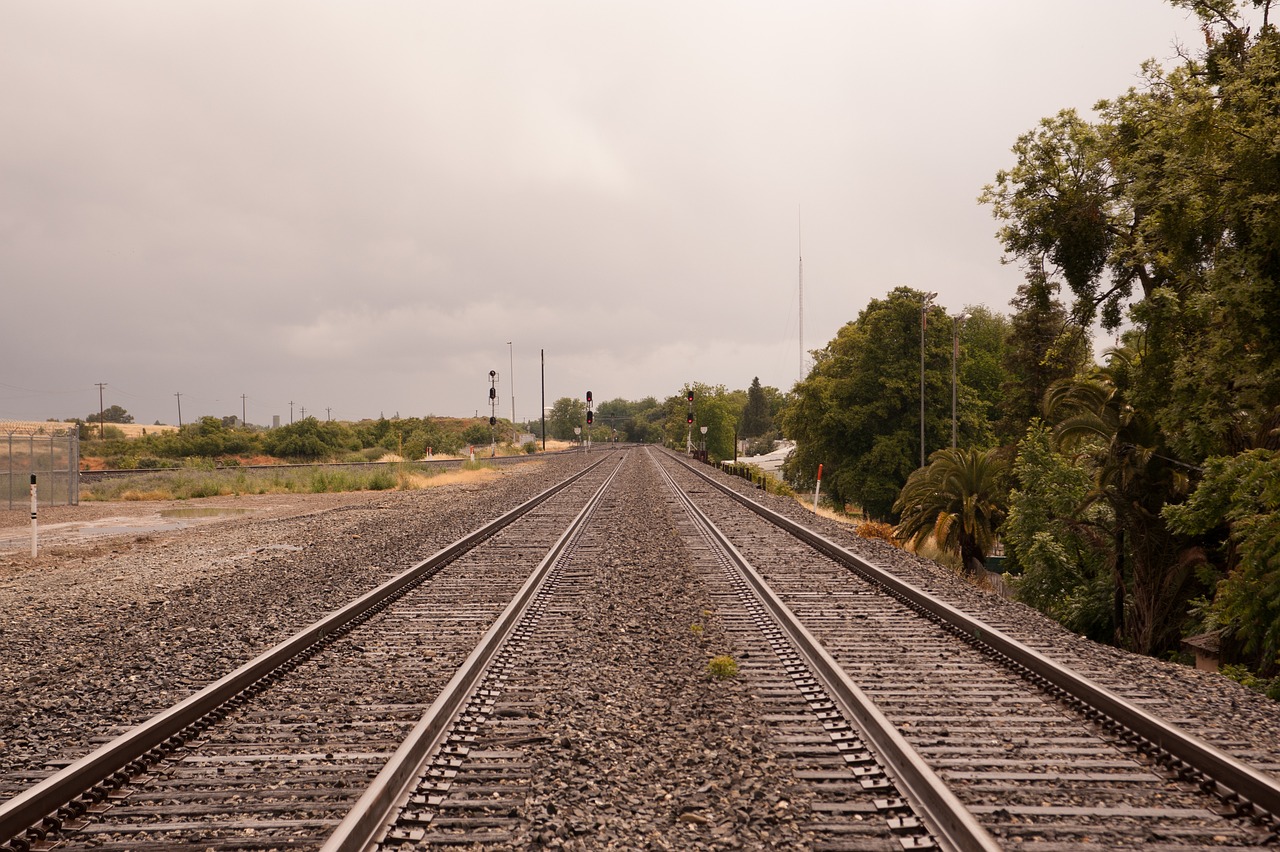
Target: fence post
[817,488]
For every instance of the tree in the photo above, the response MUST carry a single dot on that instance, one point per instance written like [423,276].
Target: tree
[111,414]
[713,407]
[1055,550]
[1171,194]
[566,413]
[858,411]
[1241,496]
[302,439]
[959,499]
[1134,474]
[1042,347]
[756,419]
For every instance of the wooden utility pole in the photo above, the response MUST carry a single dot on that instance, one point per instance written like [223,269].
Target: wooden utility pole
[102,429]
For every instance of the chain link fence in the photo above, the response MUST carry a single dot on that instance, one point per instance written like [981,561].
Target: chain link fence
[52,455]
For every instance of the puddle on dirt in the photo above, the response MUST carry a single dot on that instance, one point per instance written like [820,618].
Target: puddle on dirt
[203,512]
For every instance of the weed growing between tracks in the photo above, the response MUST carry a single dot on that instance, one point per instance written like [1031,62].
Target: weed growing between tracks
[190,484]
[722,667]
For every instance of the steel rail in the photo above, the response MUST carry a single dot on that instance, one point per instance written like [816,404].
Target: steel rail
[1233,776]
[373,814]
[949,822]
[119,758]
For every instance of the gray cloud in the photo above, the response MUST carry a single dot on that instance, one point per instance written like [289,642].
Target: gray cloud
[356,206]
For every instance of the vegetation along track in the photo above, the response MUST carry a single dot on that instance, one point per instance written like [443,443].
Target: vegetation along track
[1042,756]
[591,721]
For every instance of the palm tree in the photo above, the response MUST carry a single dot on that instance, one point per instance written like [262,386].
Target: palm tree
[959,498]
[1133,477]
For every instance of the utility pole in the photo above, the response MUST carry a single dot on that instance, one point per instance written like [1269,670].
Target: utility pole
[542,357]
[924,312]
[244,417]
[328,413]
[179,396]
[291,412]
[304,412]
[511,376]
[956,322]
[102,428]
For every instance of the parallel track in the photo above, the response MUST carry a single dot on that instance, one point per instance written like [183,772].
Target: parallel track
[1039,753]
[360,671]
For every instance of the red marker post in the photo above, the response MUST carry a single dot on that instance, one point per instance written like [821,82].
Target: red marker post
[817,488]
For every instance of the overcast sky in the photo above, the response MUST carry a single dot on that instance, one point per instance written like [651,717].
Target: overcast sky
[354,206]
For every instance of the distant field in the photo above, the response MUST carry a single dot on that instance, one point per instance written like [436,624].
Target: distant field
[27,427]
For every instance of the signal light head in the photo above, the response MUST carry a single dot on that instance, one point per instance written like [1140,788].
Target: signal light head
[689,396]
[689,420]
[588,396]
[493,421]
[590,417]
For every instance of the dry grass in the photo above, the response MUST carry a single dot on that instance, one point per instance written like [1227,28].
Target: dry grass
[130,430]
[823,511]
[135,495]
[450,477]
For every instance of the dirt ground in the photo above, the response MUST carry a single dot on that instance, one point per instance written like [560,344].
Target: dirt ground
[66,530]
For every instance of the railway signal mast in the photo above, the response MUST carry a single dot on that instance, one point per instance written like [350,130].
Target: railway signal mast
[688,436]
[493,418]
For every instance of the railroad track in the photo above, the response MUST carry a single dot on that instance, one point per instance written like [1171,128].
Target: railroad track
[440,719]
[1040,755]
[273,754]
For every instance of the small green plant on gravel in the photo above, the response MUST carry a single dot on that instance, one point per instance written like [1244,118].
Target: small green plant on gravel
[722,667]
[696,630]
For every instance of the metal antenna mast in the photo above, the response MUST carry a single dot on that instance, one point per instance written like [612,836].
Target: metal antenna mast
[800,255]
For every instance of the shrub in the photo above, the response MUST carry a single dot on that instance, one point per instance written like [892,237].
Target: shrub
[722,667]
[877,529]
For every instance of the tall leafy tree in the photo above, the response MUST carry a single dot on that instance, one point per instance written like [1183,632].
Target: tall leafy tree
[1059,552]
[1042,347]
[713,407]
[983,337]
[1170,196]
[756,419]
[566,413]
[1135,477]
[1241,495]
[858,411]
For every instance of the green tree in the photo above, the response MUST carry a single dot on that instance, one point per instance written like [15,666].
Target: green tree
[110,414]
[1042,347]
[958,499]
[858,411]
[1062,567]
[1134,475]
[1239,499]
[713,407]
[756,418]
[303,440]
[566,413]
[1170,194]
[982,339]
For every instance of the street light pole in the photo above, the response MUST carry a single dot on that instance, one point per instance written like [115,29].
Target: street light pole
[511,373]
[924,312]
[955,358]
